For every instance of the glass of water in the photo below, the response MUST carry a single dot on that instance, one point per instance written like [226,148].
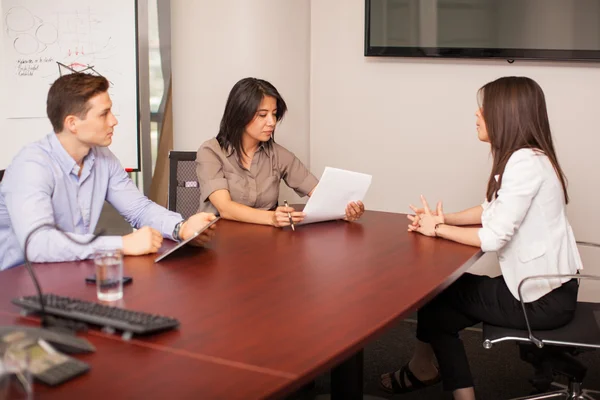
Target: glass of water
[109,274]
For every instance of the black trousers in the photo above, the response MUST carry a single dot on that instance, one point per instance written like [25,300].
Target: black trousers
[473,299]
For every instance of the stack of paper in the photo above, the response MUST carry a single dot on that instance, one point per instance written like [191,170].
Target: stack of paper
[335,190]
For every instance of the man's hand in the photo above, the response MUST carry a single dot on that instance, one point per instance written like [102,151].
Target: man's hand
[143,241]
[194,224]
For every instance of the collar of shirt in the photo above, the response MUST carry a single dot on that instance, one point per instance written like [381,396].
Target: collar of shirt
[263,146]
[66,162]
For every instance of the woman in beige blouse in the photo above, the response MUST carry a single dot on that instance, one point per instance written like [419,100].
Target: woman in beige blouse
[239,171]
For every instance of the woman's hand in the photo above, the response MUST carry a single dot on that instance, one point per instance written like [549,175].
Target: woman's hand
[418,213]
[424,220]
[281,216]
[354,210]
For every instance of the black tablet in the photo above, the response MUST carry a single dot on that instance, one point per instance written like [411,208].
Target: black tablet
[183,243]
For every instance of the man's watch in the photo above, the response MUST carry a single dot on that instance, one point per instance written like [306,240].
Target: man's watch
[177,229]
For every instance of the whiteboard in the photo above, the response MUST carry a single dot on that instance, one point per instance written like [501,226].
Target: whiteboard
[43,40]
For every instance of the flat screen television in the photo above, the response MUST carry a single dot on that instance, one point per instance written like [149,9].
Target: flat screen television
[507,29]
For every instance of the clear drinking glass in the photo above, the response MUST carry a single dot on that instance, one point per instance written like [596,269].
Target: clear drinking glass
[109,274]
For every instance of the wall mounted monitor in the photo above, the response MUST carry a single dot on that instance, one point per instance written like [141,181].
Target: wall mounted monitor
[507,29]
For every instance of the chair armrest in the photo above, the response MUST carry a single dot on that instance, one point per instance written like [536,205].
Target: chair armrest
[539,343]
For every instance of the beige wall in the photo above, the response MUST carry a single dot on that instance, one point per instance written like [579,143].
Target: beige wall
[214,44]
[410,122]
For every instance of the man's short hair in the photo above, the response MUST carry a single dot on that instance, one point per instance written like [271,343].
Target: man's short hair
[69,95]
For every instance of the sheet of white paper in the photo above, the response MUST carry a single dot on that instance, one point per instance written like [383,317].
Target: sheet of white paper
[335,190]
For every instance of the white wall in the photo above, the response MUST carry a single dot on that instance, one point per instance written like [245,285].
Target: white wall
[217,43]
[410,122]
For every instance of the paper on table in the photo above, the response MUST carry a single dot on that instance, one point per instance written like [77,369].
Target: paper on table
[335,190]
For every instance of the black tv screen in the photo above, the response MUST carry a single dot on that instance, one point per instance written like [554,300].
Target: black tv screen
[508,29]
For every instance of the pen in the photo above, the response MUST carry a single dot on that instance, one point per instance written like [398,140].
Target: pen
[285,203]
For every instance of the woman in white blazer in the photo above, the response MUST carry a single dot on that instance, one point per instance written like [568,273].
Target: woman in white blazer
[523,219]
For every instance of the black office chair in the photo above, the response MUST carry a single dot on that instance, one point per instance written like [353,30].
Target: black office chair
[552,352]
[184,190]
[1,174]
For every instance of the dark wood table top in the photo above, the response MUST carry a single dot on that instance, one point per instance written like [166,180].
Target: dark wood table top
[274,300]
[122,370]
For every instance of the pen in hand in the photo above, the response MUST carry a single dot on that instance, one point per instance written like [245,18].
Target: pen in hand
[285,203]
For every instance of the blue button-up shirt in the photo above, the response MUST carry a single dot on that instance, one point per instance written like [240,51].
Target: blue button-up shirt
[42,185]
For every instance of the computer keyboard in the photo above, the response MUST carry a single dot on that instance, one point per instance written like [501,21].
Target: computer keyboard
[135,322]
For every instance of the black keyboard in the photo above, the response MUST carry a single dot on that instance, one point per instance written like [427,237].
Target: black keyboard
[98,314]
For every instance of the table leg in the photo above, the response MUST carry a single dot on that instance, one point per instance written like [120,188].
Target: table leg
[347,381]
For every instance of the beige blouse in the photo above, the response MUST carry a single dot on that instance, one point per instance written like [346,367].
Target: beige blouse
[257,187]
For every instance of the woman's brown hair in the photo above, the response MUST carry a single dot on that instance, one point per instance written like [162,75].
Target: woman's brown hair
[515,115]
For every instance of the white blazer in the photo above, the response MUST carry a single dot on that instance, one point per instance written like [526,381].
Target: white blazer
[526,224]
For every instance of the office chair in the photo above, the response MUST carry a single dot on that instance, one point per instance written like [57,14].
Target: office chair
[184,190]
[1,174]
[552,352]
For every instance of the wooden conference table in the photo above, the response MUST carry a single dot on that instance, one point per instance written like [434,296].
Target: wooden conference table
[263,311]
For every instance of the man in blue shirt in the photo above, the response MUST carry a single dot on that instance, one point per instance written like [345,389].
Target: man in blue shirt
[64,179]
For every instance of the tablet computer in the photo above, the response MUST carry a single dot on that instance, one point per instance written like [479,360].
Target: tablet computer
[183,243]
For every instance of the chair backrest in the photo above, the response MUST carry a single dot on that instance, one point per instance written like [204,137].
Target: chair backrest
[1,174]
[184,190]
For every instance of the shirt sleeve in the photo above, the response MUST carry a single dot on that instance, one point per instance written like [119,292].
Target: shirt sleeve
[27,188]
[294,173]
[136,208]
[521,181]
[209,169]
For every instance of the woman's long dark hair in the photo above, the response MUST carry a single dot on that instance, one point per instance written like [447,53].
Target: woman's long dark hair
[240,109]
[514,110]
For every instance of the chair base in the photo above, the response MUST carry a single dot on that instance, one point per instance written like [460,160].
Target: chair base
[571,392]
